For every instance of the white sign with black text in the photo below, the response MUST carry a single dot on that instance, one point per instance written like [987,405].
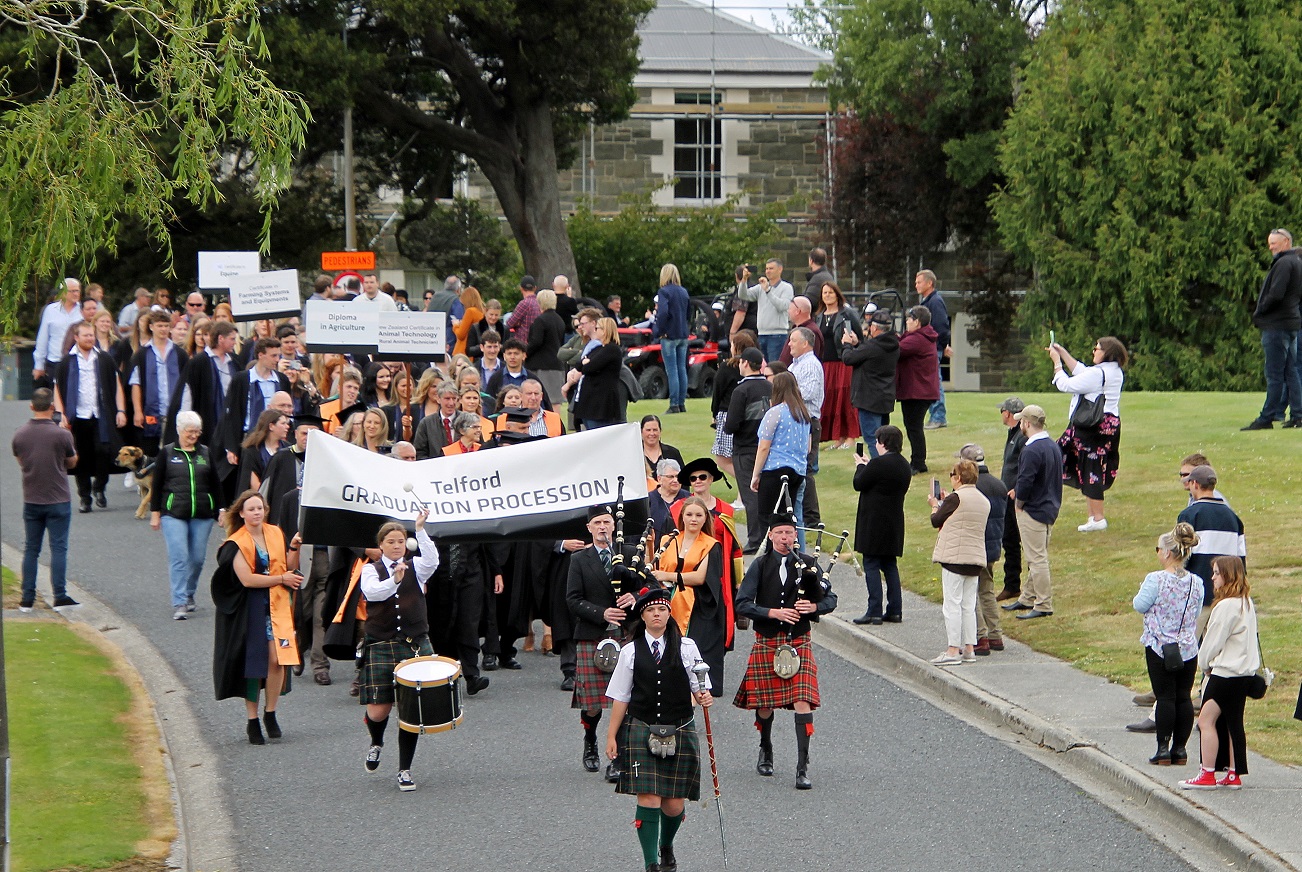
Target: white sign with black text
[264,295]
[341,327]
[217,268]
[419,335]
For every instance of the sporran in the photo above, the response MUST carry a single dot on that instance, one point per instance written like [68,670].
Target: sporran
[662,740]
[786,661]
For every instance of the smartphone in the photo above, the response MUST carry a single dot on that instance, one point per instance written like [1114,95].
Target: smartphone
[858,448]
[1052,341]
[935,489]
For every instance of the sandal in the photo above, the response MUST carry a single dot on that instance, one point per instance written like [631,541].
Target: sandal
[547,643]
[528,642]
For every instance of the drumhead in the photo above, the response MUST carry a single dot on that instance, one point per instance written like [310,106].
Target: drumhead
[427,670]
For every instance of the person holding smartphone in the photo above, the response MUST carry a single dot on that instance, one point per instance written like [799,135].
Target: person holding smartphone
[960,550]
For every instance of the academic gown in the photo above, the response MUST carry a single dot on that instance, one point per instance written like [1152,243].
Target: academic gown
[232,434]
[279,478]
[230,628]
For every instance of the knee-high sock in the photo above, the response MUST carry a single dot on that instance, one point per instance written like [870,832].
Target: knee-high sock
[648,833]
[804,729]
[590,723]
[376,729]
[406,748]
[765,727]
[669,825]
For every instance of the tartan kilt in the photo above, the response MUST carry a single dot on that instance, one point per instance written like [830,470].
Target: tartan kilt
[380,659]
[677,776]
[589,682]
[761,688]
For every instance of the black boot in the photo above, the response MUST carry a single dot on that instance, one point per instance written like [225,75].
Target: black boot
[765,764]
[273,728]
[804,729]
[1163,755]
[255,732]
[591,759]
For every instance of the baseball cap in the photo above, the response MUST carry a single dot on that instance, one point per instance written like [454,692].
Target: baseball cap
[972,452]
[1032,413]
[882,318]
[528,282]
[753,356]
[1012,404]
[717,306]
[1203,476]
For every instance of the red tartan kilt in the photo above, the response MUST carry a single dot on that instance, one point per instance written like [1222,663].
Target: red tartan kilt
[761,688]
[589,682]
[839,419]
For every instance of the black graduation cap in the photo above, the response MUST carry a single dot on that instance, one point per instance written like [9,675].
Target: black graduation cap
[355,409]
[309,418]
[518,414]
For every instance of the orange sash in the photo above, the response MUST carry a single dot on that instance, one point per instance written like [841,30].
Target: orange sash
[282,602]
[680,606]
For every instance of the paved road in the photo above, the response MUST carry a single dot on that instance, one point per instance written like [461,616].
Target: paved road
[898,783]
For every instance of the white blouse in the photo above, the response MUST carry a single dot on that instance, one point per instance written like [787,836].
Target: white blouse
[1086,381]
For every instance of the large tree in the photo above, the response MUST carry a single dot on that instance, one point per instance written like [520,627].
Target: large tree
[507,83]
[111,111]
[1152,147]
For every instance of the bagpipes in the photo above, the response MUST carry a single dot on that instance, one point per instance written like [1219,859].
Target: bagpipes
[814,578]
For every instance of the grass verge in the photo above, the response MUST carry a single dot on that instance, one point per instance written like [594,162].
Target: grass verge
[1095,575]
[89,790]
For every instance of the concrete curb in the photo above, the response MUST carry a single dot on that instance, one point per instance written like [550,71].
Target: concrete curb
[206,837]
[1193,823]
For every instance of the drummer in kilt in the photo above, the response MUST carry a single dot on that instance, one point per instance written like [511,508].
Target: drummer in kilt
[653,684]
[782,600]
[397,628]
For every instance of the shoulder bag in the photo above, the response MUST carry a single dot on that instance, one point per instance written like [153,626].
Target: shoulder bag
[1262,679]
[1172,659]
[1089,413]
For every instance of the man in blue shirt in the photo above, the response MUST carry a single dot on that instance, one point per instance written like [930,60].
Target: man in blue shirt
[928,295]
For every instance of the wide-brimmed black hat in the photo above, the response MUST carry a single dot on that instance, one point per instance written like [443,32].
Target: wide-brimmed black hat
[701,464]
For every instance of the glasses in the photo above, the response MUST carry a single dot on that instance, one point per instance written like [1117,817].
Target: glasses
[702,476]
[194,305]
[1183,476]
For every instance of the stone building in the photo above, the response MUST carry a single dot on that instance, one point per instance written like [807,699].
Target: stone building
[724,109]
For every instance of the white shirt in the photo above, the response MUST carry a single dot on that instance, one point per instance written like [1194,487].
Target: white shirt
[425,562]
[55,321]
[268,385]
[1085,381]
[224,374]
[383,302]
[87,383]
[620,688]
[808,370]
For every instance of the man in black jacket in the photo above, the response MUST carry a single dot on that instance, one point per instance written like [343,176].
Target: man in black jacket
[90,398]
[872,386]
[1278,319]
[750,400]
[1013,445]
[1039,499]
[818,275]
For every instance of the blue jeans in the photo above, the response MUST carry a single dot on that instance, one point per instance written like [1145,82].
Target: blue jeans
[674,352]
[937,410]
[597,423]
[1283,387]
[873,570]
[187,546]
[771,344]
[54,519]
[868,424]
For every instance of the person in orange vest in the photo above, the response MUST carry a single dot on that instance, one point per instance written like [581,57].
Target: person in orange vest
[543,423]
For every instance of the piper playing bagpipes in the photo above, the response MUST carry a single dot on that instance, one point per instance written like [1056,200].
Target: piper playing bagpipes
[652,691]
[782,592]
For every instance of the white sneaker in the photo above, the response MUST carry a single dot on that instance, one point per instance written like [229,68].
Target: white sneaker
[738,504]
[179,613]
[1093,525]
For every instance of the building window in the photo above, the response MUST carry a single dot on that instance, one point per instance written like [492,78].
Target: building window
[698,151]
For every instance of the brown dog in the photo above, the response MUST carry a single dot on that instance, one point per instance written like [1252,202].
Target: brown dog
[133,458]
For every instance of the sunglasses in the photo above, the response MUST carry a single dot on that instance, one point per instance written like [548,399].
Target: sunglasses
[701,476]
[194,305]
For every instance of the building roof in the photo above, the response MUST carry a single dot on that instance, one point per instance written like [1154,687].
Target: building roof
[683,35]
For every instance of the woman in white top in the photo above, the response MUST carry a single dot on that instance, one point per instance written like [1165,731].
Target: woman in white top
[1230,657]
[1090,456]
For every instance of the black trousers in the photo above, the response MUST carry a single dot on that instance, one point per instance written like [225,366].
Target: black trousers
[1175,715]
[1012,550]
[743,463]
[92,470]
[915,413]
[809,501]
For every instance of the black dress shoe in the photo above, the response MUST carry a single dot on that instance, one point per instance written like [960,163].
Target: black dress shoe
[1260,424]
[567,683]
[893,619]
[612,772]
[1291,423]
[102,501]
[668,862]
[1179,756]
[84,508]
[490,662]
[273,728]
[803,782]
[1015,606]
[475,685]
[591,761]
[764,766]
[65,600]
[1147,725]
[1034,613]
[866,619]
[510,663]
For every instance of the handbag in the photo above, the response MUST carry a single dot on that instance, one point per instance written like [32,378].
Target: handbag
[1263,677]
[1088,414]
[1172,659]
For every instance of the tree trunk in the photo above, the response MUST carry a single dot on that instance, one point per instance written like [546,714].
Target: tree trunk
[526,188]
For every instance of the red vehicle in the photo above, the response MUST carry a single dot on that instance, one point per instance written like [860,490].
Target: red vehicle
[642,356]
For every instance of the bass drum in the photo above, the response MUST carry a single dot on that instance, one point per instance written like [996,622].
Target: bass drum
[428,694]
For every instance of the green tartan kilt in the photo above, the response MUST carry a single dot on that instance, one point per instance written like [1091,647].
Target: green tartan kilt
[380,659]
[641,771]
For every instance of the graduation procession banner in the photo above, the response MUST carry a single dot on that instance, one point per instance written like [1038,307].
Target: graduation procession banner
[533,490]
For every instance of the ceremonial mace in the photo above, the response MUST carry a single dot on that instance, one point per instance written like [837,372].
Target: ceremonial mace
[702,670]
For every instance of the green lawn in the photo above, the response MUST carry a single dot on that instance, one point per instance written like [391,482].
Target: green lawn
[1096,574]
[77,795]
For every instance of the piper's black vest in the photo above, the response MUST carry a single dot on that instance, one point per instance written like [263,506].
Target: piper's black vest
[661,692]
[773,594]
[402,615]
